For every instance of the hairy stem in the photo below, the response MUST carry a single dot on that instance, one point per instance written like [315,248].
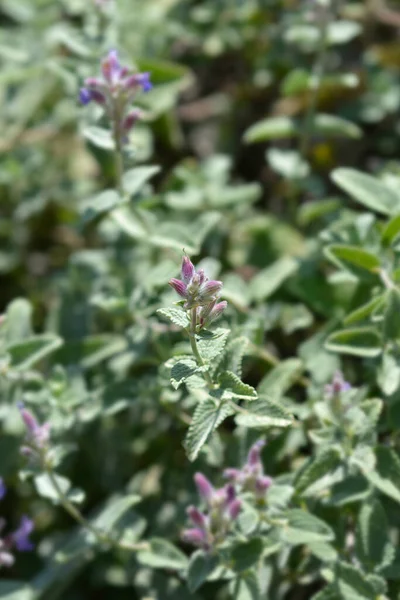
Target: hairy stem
[77,516]
[195,349]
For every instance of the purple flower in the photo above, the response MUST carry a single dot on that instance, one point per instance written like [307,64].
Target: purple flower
[234,508]
[197,517]
[251,476]
[138,80]
[253,458]
[3,489]
[37,435]
[20,537]
[199,292]
[85,96]
[196,536]
[338,386]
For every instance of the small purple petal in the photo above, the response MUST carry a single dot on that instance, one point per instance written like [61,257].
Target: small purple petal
[20,537]
[179,286]
[131,118]
[111,67]
[187,270]
[230,493]
[30,422]
[263,484]
[85,96]
[217,311]
[3,489]
[210,288]
[204,487]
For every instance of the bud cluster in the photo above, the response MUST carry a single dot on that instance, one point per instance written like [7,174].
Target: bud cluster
[251,478]
[199,292]
[15,541]
[114,91]
[222,505]
[37,436]
[213,525]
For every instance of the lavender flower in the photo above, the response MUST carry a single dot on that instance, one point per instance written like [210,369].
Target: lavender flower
[338,386]
[199,292]
[37,436]
[115,90]
[17,540]
[213,526]
[251,476]
[3,489]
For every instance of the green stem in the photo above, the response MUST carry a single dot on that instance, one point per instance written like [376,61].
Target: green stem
[195,349]
[77,516]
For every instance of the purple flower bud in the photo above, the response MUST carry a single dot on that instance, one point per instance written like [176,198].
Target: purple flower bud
[85,96]
[232,474]
[197,516]
[197,537]
[338,385]
[234,508]
[202,276]
[30,422]
[263,484]
[131,118]
[217,311]
[253,458]
[111,67]
[187,270]
[20,537]
[230,493]
[210,289]
[179,286]
[138,80]
[3,489]
[204,487]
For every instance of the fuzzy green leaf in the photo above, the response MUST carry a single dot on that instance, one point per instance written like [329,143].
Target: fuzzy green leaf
[163,555]
[386,474]
[267,281]
[176,315]
[373,546]
[212,343]
[200,567]
[246,554]
[367,190]
[263,414]
[303,528]
[245,587]
[207,417]
[351,583]
[354,259]
[391,321]
[183,369]
[28,352]
[318,467]
[280,378]
[236,387]
[359,341]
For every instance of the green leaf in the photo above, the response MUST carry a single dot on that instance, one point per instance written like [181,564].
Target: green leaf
[349,257]
[288,163]
[319,466]
[212,343]
[328,593]
[273,128]
[280,378]
[364,311]
[391,320]
[30,351]
[46,488]
[100,205]
[163,555]
[367,190]
[391,231]
[351,583]
[237,388]
[360,341]
[372,537]
[200,567]
[207,417]
[267,281]
[134,179]
[102,138]
[245,587]
[334,126]
[183,369]
[263,414]
[15,590]
[303,528]
[177,316]
[114,510]
[246,554]
[386,474]
[233,355]
[18,323]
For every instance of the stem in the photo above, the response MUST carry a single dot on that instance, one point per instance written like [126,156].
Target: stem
[193,343]
[77,516]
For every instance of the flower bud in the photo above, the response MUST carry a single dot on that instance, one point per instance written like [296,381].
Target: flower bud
[253,458]
[111,67]
[179,286]
[197,516]
[131,118]
[262,485]
[232,474]
[20,537]
[197,537]
[187,270]
[209,290]
[138,80]
[204,487]
[234,508]
[85,96]
[217,311]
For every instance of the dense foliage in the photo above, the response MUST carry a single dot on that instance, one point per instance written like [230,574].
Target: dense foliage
[200,276]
